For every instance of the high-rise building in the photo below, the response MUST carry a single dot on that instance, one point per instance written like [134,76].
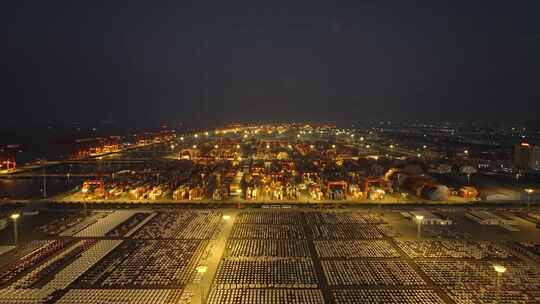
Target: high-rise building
[527,156]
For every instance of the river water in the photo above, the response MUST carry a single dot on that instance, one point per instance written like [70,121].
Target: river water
[32,187]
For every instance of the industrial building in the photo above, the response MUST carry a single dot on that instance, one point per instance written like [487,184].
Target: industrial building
[489,218]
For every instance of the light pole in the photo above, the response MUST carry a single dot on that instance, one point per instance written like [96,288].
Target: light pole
[419,219]
[202,270]
[84,190]
[14,217]
[529,191]
[44,183]
[499,269]
[381,193]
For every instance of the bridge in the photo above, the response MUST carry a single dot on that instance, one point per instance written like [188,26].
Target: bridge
[53,175]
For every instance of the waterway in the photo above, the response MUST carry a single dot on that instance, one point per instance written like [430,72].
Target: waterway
[67,176]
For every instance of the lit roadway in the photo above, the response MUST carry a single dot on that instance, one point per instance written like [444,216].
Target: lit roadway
[207,266]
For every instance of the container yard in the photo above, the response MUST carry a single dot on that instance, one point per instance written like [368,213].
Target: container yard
[283,163]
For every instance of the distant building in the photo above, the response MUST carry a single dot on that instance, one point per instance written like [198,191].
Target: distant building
[527,156]
[428,218]
[489,218]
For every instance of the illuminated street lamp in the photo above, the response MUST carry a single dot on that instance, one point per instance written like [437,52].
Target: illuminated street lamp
[424,146]
[194,146]
[182,138]
[196,135]
[499,269]
[237,146]
[216,146]
[14,217]
[380,192]
[201,270]
[529,191]
[419,219]
[333,146]
[85,191]
[361,139]
[226,217]
[267,146]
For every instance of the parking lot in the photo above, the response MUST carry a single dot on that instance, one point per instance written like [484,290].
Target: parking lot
[266,256]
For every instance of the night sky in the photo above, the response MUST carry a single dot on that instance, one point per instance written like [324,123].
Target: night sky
[220,61]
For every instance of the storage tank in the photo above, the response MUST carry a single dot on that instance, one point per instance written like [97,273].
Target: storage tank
[427,188]
[436,192]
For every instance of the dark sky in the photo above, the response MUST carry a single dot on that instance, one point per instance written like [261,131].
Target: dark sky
[150,61]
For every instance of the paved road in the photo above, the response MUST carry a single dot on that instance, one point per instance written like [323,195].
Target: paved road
[200,287]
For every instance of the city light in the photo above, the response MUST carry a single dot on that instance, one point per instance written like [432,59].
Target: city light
[202,269]
[419,219]
[187,152]
[529,191]
[499,268]
[14,217]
